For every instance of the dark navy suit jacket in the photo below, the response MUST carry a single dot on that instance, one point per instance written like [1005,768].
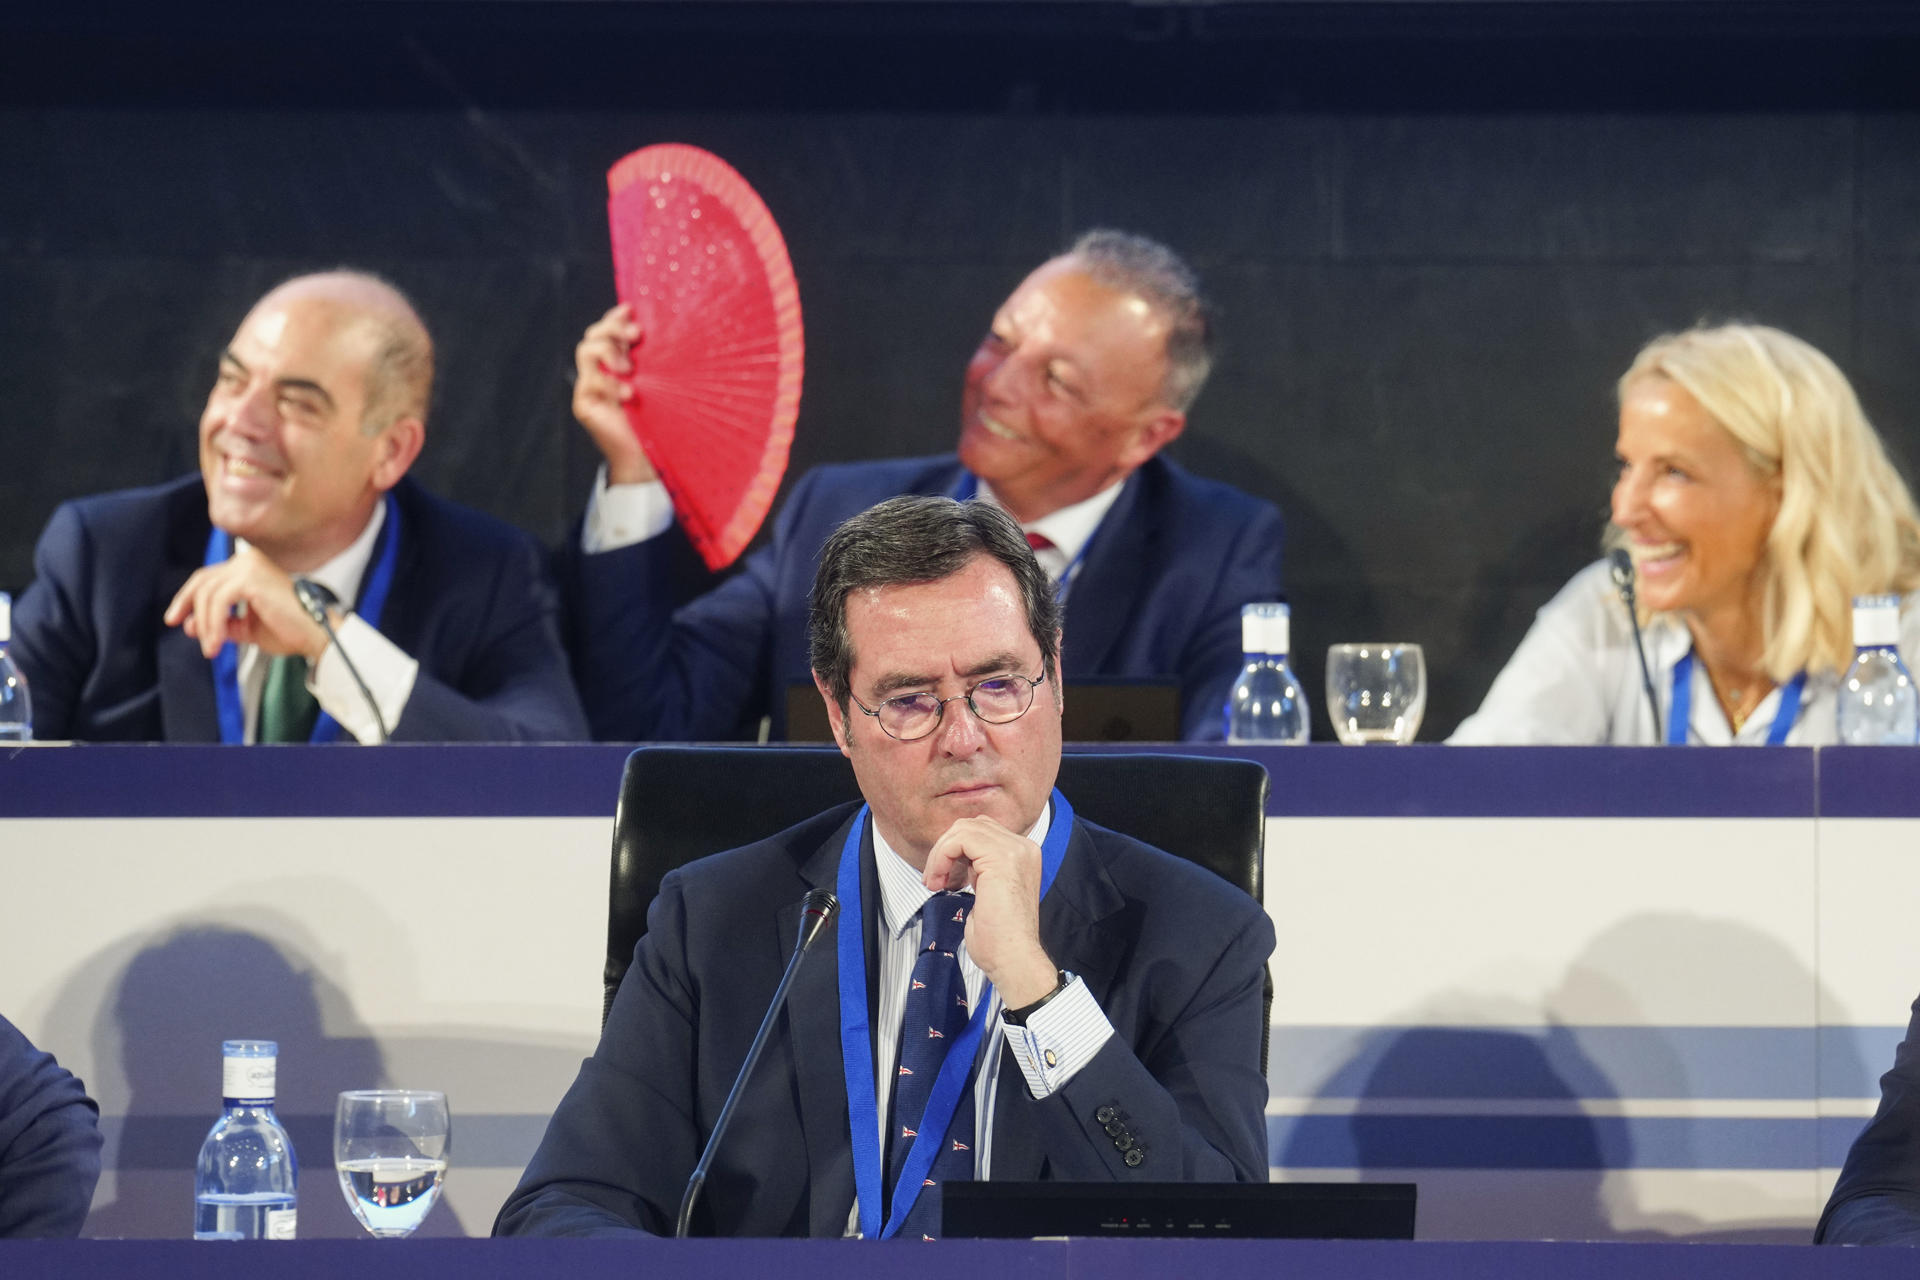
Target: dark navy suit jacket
[1158,595]
[1877,1199]
[470,602]
[49,1143]
[1174,955]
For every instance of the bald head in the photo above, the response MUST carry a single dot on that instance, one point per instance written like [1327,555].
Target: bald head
[400,364]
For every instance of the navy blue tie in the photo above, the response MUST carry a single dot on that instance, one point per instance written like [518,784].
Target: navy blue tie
[936,1015]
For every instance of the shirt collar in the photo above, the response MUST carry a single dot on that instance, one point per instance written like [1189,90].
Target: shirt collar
[1069,528]
[342,574]
[901,893]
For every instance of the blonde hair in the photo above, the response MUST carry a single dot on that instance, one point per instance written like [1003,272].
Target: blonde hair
[1846,526]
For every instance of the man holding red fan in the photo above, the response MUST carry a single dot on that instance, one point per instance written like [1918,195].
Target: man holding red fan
[1085,375]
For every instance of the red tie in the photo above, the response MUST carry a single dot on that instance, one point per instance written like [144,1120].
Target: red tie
[1039,542]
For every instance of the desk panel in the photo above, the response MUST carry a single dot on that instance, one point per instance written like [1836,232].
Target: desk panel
[1595,994]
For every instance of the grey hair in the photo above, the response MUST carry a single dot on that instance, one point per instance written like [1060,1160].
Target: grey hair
[916,539]
[1138,265]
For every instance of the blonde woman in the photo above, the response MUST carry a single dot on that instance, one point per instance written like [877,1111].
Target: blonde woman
[1755,501]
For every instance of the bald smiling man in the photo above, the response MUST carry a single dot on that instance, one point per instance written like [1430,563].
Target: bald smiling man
[169,613]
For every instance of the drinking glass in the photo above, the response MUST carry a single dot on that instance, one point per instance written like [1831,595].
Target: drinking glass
[1376,692]
[390,1149]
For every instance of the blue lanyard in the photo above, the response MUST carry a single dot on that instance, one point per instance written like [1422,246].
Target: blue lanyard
[1680,710]
[969,489]
[226,663]
[856,1041]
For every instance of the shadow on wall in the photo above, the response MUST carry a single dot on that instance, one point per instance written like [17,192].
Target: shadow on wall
[176,1000]
[1488,1110]
[1531,1132]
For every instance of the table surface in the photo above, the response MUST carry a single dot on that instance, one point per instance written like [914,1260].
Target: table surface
[948,1260]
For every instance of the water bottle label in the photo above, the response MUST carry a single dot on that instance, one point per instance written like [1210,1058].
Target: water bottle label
[6,617]
[280,1223]
[248,1079]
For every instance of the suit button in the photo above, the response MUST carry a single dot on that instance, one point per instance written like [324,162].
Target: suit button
[1124,1142]
[1105,1114]
[1115,1128]
[1134,1157]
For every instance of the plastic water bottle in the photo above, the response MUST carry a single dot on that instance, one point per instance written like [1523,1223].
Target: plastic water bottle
[1266,704]
[16,707]
[1877,703]
[243,1186]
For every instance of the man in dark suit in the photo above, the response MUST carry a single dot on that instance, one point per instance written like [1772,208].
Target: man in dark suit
[49,1143]
[1877,1199]
[1108,1016]
[1086,374]
[169,613]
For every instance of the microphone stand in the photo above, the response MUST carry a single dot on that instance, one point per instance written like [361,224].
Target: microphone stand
[816,913]
[1622,566]
[315,598]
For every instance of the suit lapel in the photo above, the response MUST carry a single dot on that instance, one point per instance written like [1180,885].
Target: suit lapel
[1078,919]
[1104,596]
[813,1018]
[188,712]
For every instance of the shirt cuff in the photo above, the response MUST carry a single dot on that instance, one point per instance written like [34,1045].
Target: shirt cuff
[619,515]
[1060,1037]
[386,668]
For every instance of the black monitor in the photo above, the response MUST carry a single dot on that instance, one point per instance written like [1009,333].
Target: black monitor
[1269,1210]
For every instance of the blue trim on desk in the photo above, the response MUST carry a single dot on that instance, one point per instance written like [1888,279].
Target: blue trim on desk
[1869,782]
[119,781]
[1127,1259]
[1435,781]
[153,781]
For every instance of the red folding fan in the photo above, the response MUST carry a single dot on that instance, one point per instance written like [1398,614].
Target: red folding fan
[717,369]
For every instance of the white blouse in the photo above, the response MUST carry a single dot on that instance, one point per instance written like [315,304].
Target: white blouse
[1574,680]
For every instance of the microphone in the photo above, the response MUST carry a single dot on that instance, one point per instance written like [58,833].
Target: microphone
[315,598]
[816,913]
[1622,566]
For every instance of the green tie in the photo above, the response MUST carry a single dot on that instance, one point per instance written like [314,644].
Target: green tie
[287,710]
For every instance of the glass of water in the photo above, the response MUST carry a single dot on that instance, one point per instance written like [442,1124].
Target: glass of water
[1376,692]
[390,1149]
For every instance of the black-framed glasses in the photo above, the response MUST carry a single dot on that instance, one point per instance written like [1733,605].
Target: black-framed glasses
[995,700]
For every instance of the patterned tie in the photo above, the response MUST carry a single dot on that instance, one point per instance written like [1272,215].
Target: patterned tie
[936,1015]
[287,711]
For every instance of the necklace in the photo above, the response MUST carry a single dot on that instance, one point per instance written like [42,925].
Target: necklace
[1746,704]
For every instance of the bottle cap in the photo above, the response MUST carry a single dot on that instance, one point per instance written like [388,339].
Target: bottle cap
[1265,628]
[6,617]
[247,1070]
[1876,622]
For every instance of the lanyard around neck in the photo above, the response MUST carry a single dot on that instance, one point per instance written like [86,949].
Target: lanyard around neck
[1680,708]
[373,599]
[856,1039]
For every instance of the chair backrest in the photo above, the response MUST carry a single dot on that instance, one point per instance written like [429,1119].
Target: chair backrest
[680,803]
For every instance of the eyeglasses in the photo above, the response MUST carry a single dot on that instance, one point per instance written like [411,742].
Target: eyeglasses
[996,700]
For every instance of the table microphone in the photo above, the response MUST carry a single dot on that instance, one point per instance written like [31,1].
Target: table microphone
[816,913]
[315,598]
[1622,565]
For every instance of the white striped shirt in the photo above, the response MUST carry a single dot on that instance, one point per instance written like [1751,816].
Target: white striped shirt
[1058,1040]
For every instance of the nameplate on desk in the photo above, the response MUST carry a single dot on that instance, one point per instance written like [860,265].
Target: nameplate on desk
[1221,1210]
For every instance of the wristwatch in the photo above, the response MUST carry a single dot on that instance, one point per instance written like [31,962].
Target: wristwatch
[1018,1017]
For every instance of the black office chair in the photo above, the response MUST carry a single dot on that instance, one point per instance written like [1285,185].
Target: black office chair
[682,803]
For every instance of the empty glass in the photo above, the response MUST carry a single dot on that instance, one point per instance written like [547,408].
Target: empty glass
[390,1150]
[1376,692]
